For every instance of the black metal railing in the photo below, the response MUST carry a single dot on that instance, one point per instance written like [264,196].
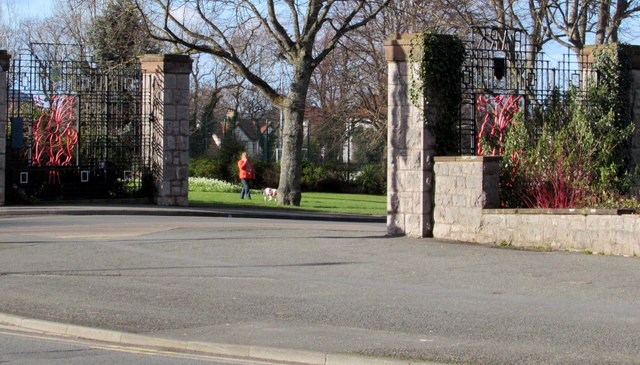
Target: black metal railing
[75,131]
[501,62]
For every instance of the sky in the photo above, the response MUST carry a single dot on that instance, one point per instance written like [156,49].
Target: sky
[42,8]
[32,8]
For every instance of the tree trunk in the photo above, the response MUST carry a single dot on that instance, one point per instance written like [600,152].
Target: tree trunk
[575,24]
[604,12]
[621,8]
[294,105]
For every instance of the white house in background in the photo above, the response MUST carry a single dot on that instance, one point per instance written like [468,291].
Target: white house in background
[246,131]
[348,149]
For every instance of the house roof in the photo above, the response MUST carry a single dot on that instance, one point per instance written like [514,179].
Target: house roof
[246,126]
[249,128]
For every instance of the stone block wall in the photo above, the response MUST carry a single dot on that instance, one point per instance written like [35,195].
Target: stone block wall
[467,193]
[605,231]
[464,186]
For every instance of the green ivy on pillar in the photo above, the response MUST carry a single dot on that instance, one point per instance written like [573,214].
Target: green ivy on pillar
[437,87]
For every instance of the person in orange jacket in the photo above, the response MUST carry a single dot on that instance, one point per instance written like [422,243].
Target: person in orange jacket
[245,172]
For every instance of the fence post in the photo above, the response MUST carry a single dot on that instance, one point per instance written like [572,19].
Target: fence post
[166,88]
[4,68]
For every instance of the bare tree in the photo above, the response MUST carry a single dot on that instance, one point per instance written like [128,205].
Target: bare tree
[570,22]
[8,26]
[66,25]
[350,87]
[613,19]
[225,28]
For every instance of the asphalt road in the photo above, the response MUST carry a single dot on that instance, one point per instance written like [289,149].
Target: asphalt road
[321,286]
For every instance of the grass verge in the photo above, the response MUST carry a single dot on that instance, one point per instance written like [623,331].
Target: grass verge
[324,202]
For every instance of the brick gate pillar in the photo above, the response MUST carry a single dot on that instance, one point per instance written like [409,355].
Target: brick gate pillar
[410,147]
[166,86]
[4,68]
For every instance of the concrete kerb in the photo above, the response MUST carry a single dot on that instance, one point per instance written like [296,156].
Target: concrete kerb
[236,351]
[193,211]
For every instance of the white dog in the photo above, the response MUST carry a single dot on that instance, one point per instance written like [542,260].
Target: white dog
[269,193]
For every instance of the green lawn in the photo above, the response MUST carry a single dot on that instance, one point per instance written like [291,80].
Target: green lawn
[326,202]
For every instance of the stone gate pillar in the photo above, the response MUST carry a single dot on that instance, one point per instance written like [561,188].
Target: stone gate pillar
[4,68]
[420,113]
[410,147]
[166,86]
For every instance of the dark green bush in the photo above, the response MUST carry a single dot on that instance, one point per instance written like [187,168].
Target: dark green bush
[372,179]
[267,173]
[343,178]
[323,177]
[318,177]
[205,167]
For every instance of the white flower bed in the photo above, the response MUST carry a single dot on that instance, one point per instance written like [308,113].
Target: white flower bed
[212,185]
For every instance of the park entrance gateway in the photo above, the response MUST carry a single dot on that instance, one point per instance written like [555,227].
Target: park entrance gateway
[76,130]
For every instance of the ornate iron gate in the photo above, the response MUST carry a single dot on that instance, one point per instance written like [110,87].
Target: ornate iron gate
[76,131]
[500,62]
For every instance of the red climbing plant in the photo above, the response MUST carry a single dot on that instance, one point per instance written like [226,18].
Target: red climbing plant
[498,116]
[54,134]
[499,112]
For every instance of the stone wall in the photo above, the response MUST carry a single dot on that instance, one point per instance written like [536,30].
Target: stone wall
[467,189]
[464,187]
[606,231]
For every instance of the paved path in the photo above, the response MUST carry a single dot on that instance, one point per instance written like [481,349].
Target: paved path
[316,292]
